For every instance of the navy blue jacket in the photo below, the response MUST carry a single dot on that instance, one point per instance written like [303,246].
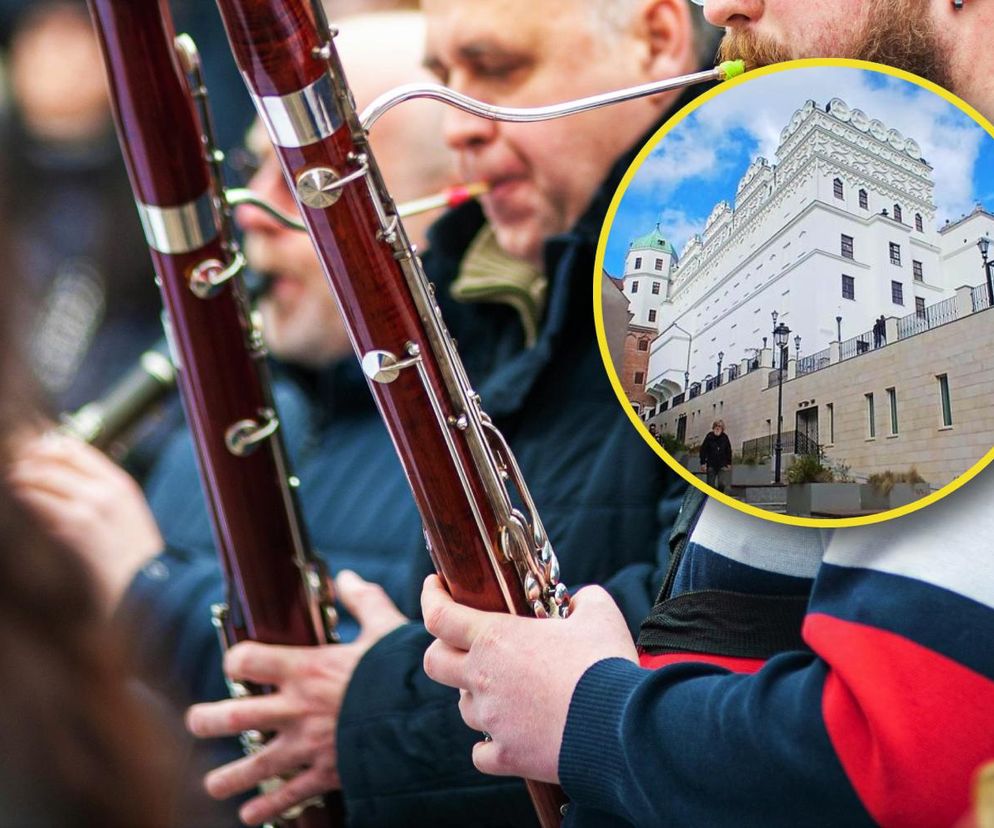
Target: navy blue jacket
[606,501]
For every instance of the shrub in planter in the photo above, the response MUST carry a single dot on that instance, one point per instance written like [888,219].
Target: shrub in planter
[809,468]
[671,444]
[884,481]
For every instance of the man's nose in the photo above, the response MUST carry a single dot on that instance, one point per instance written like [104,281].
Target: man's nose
[462,131]
[731,13]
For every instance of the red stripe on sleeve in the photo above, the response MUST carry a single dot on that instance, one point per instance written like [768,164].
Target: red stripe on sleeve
[736,665]
[909,726]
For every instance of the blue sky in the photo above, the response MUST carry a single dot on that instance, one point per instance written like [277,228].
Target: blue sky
[701,161]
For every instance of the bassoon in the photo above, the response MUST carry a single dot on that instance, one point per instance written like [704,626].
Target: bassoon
[277,589]
[107,422]
[491,554]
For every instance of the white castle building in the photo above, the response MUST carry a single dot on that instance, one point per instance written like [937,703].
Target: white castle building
[842,225]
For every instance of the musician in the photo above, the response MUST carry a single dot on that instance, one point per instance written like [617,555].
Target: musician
[867,704]
[941,40]
[400,757]
[603,497]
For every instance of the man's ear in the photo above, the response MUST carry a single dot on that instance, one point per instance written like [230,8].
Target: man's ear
[668,32]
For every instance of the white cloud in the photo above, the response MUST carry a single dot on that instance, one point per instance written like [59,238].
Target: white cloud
[707,147]
[678,226]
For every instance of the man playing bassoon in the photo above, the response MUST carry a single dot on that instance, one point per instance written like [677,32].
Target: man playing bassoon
[363,715]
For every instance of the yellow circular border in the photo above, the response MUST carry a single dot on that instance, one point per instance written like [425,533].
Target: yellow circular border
[830,523]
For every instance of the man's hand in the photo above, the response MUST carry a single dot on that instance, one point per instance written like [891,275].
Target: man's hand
[302,712]
[90,504]
[517,675]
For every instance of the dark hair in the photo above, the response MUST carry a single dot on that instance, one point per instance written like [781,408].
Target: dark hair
[76,745]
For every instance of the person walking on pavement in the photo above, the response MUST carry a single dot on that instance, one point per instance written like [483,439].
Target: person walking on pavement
[716,456]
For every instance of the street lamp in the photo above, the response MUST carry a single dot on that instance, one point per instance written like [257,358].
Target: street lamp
[797,347]
[721,356]
[686,380]
[838,328]
[781,335]
[984,244]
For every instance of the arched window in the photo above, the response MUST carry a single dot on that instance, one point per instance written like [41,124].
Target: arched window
[897,212]
[839,190]
[864,200]
[919,224]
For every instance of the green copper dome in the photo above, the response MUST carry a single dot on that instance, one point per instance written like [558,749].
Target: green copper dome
[652,241]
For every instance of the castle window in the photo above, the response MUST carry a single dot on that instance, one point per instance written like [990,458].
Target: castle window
[871,420]
[635,287]
[639,377]
[919,307]
[897,293]
[848,287]
[655,288]
[847,247]
[839,190]
[895,254]
[864,200]
[652,316]
[919,273]
[643,345]
[659,264]
[897,213]
[892,402]
[638,262]
[919,224]
[947,409]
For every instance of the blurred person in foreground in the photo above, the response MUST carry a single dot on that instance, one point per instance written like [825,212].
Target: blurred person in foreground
[76,745]
[76,240]
[362,715]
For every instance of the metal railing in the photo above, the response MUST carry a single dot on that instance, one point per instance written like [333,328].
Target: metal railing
[981,299]
[855,346]
[814,362]
[930,317]
[791,442]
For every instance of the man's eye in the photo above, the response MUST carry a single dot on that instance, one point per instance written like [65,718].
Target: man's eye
[440,73]
[497,71]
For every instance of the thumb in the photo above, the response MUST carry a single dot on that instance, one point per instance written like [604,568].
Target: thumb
[367,602]
[590,599]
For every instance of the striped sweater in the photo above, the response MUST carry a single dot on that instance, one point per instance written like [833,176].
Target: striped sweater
[882,718]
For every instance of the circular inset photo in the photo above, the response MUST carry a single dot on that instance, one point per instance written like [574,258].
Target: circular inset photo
[794,290]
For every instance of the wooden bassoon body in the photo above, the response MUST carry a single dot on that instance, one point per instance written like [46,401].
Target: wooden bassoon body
[491,554]
[277,590]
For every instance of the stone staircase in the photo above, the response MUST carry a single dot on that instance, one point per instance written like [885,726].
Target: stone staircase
[770,496]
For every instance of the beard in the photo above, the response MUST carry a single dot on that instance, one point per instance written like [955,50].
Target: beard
[897,33]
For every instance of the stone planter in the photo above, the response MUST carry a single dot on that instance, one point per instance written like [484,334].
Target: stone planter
[832,498]
[758,475]
[900,495]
